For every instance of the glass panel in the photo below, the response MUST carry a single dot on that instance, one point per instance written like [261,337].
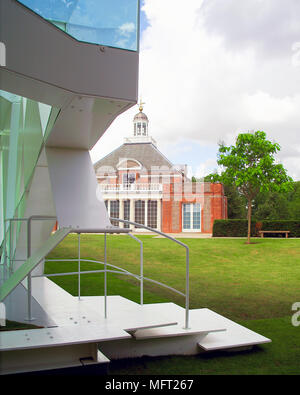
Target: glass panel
[140,212]
[152,213]
[196,216]
[144,129]
[126,212]
[128,179]
[112,23]
[114,211]
[23,123]
[186,216]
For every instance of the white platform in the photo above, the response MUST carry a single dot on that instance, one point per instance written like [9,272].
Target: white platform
[66,309]
[60,336]
[236,336]
[130,330]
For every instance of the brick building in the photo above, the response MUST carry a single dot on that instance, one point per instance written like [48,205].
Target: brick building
[139,184]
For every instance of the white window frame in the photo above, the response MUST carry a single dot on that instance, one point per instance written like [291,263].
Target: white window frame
[191,218]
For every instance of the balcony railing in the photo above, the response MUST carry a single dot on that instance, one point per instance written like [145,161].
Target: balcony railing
[131,187]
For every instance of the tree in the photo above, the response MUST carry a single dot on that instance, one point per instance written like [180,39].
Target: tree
[294,201]
[250,166]
[271,206]
[236,205]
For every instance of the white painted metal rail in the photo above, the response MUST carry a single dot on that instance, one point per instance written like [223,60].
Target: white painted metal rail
[118,270]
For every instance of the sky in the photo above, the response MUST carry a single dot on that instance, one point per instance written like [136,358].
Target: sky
[211,69]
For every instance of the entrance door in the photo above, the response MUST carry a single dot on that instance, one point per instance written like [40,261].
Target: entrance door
[191,217]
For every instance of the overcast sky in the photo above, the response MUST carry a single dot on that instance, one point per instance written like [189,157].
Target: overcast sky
[212,69]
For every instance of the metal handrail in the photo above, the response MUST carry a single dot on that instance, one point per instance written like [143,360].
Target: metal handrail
[187,262]
[140,277]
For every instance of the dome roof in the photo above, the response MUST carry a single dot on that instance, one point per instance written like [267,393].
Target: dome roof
[140,116]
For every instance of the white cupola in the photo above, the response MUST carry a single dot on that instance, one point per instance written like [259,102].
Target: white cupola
[140,123]
[140,133]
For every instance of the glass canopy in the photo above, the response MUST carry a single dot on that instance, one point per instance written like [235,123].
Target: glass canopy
[111,23]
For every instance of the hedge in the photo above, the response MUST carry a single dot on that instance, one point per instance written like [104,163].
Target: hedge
[292,226]
[239,227]
[232,228]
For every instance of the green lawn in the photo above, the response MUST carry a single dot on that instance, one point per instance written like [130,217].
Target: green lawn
[254,284]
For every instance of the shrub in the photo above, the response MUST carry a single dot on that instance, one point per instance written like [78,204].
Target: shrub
[292,226]
[239,227]
[232,228]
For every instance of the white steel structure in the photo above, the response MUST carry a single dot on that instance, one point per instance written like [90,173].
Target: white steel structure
[62,85]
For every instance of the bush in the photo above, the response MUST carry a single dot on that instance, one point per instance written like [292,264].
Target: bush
[239,227]
[232,228]
[292,226]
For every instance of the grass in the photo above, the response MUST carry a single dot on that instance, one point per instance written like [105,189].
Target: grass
[254,285]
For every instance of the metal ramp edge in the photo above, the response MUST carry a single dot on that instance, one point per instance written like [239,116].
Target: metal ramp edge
[236,336]
[55,348]
[23,271]
[163,332]
[177,314]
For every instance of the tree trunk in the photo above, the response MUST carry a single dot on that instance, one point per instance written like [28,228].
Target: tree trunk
[249,220]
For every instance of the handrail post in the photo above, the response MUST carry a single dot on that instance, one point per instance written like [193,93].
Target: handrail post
[187,260]
[142,275]
[187,289]
[105,277]
[78,266]
[141,268]
[29,283]
[29,291]
[10,262]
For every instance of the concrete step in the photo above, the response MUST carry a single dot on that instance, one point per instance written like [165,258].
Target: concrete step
[129,315]
[175,312]
[236,337]
[50,349]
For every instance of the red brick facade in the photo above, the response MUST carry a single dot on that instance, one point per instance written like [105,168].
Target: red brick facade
[140,184]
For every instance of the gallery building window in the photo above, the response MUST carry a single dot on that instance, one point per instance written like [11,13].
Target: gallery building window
[152,214]
[114,211]
[139,211]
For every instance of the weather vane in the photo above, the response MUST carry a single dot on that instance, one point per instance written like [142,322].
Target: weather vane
[141,105]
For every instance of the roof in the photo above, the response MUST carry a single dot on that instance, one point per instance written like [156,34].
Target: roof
[140,116]
[145,153]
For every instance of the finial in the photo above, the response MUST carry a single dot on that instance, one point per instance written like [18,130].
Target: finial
[141,105]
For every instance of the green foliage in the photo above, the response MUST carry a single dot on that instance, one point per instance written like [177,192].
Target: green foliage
[250,165]
[276,205]
[232,228]
[238,227]
[236,203]
[294,201]
[271,205]
[292,226]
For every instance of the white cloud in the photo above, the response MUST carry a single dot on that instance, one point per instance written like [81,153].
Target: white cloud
[212,69]
[127,28]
